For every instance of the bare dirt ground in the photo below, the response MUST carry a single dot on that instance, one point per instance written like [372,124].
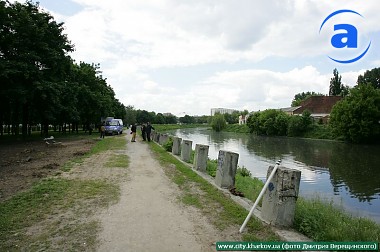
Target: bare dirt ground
[23,163]
[149,215]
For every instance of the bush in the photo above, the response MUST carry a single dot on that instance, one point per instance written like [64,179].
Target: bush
[168,145]
[244,172]
[218,122]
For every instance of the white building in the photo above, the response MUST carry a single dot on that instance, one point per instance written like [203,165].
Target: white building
[221,111]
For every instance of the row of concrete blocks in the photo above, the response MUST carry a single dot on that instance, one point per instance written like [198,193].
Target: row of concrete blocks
[279,200]
[227,161]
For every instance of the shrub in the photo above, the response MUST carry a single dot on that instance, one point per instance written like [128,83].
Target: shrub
[244,172]
[168,145]
[218,122]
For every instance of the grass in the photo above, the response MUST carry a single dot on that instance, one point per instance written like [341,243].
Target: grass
[322,221]
[221,210]
[55,214]
[319,131]
[108,143]
[237,128]
[121,161]
[317,219]
[48,198]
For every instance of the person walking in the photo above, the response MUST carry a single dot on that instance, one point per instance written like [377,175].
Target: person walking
[102,130]
[143,131]
[148,130]
[133,132]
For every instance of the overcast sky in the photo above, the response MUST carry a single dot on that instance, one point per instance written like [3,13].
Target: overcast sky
[188,56]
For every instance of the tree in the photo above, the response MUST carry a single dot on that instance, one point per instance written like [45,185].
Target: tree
[130,116]
[357,117]
[33,59]
[269,122]
[218,122]
[300,97]
[335,83]
[187,119]
[370,76]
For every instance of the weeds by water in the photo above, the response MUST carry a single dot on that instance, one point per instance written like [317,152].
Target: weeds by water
[317,219]
[322,221]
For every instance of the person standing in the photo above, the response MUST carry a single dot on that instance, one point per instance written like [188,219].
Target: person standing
[148,130]
[143,131]
[102,130]
[133,132]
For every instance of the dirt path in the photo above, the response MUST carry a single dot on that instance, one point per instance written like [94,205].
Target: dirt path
[149,216]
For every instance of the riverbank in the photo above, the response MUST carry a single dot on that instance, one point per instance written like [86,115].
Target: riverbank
[317,218]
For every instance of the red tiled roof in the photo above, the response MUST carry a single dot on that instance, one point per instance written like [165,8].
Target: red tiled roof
[318,104]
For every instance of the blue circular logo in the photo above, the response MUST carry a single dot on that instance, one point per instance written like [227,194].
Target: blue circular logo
[346,38]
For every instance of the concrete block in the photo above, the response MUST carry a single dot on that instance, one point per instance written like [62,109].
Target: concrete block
[226,170]
[200,157]
[186,148]
[176,149]
[279,200]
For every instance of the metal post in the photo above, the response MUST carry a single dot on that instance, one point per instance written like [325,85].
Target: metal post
[260,196]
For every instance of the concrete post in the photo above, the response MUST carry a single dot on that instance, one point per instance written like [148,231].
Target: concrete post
[186,150]
[200,157]
[164,138]
[153,135]
[226,170]
[279,200]
[156,137]
[176,149]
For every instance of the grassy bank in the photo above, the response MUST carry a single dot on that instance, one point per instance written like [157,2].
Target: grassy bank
[316,218]
[237,128]
[56,213]
[221,210]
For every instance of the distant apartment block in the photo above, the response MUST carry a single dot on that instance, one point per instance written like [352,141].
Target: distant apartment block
[221,111]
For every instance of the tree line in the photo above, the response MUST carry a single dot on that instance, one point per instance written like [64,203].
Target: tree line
[40,82]
[356,118]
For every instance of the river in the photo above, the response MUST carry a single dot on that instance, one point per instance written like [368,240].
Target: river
[346,174]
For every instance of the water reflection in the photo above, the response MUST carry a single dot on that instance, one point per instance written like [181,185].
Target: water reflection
[347,174]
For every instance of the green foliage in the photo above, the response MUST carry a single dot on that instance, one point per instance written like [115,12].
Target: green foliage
[300,97]
[269,122]
[218,122]
[298,125]
[335,83]
[357,117]
[244,172]
[237,128]
[211,167]
[187,119]
[41,84]
[168,145]
[323,221]
[370,76]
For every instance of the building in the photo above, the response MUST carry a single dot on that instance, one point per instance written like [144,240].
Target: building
[319,106]
[221,111]
[290,110]
[243,119]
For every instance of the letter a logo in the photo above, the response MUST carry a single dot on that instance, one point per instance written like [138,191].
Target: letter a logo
[350,36]
[346,39]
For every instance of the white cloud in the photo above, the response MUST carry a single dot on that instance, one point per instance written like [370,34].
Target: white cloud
[133,39]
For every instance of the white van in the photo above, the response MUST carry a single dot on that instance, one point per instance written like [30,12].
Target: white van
[114,126]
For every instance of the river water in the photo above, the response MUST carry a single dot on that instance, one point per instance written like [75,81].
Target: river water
[347,174]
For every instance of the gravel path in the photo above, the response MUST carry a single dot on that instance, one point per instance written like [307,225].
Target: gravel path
[149,216]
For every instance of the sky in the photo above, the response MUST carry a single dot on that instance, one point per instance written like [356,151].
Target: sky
[186,57]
